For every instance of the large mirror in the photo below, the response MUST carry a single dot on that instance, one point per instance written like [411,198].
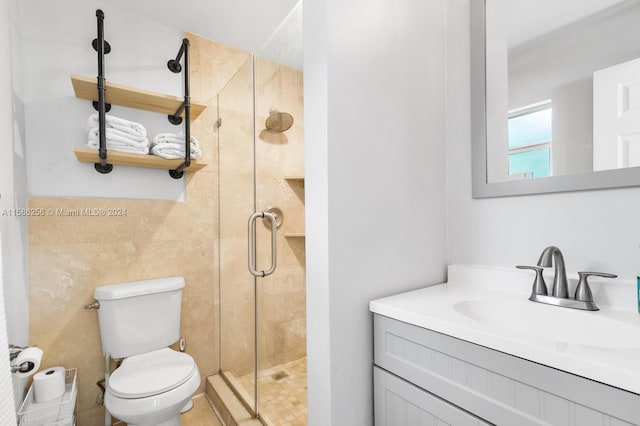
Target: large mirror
[555,95]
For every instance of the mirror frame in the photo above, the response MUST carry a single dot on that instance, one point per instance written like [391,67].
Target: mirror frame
[604,179]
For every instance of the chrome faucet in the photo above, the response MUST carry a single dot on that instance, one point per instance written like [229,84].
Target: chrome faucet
[560,288]
[583,298]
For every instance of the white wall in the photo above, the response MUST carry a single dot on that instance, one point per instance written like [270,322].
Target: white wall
[245,25]
[597,230]
[374,170]
[13,183]
[57,42]
[284,46]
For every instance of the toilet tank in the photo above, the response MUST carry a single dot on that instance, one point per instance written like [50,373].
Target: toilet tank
[139,316]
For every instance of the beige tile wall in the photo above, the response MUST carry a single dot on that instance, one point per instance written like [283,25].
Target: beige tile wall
[236,205]
[281,296]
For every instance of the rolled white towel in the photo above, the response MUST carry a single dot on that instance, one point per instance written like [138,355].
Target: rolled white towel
[119,148]
[126,126]
[115,137]
[171,145]
[174,150]
[173,138]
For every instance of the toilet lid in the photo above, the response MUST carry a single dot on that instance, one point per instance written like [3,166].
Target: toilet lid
[151,373]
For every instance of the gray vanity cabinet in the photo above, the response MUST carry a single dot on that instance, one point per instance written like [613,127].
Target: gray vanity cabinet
[399,403]
[426,378]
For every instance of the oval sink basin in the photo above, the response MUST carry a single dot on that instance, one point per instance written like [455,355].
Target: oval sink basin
[557,324]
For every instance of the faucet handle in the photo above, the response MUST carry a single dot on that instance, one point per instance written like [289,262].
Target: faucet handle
[539,286]
[583,291]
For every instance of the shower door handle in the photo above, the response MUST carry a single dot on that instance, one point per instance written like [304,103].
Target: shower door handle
[274,255]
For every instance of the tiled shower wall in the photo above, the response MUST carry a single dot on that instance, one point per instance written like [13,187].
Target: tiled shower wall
[279,172]
[279,167]
[69,256]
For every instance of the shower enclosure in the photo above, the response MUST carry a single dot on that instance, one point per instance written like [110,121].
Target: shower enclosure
[261,169]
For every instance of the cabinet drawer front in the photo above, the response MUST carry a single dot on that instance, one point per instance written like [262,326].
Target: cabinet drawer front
[495,386]
[399,403]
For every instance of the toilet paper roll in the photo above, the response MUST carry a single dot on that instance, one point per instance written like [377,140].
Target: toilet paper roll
[49,384]
[31,356]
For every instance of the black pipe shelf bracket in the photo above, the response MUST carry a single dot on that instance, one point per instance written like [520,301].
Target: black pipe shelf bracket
[176,119]
[155,102]
[103,48]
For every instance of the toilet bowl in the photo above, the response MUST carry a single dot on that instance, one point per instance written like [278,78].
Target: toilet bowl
[152,388]
[138,320]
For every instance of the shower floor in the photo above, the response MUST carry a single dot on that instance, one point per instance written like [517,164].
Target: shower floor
[283,393]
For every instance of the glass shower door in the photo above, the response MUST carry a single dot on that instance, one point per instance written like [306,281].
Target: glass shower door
[261,170]
[237,202]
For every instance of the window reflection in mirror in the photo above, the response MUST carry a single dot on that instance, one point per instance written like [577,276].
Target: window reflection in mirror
[563,87]
[530,141]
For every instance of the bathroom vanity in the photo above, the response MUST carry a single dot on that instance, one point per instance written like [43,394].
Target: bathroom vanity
[475,351]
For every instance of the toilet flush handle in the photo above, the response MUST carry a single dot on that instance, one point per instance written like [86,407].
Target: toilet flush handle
[94,305]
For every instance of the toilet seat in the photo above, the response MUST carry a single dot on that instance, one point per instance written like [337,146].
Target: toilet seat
[151,373]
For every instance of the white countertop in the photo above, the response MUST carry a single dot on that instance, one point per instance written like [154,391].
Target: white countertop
[490,307]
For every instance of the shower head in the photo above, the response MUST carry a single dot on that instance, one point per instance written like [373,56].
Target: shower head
[279,121]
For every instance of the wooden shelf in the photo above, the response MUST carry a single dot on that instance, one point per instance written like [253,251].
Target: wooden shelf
[117,94]
[294,178]
[294,234]
[89,155]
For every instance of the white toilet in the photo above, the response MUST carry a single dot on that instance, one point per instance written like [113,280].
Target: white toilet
[138,320]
